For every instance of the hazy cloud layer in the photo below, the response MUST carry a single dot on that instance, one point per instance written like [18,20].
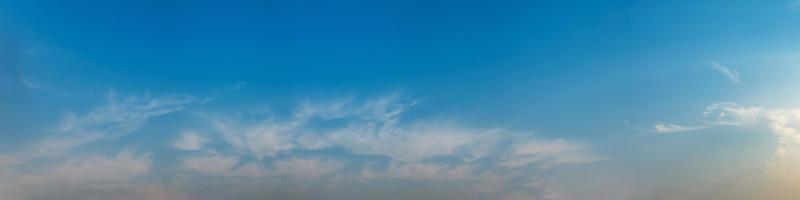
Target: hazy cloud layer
[320,146]
[349,141]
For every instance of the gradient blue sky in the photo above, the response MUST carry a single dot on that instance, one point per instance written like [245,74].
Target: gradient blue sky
[400,99]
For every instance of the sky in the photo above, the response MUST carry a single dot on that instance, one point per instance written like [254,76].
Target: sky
[351,99]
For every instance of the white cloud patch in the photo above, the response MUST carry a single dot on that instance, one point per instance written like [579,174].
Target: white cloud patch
[30,84]
[92,172]
[729,113]
[405,143]
[786,124]
[116,117]
[546,154]
[190,141]
[731,74]
[661,127]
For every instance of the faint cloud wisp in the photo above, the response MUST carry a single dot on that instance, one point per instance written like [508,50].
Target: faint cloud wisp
[661,127]
[731,74]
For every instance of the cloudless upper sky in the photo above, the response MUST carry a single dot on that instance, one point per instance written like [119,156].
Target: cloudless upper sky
[589,99]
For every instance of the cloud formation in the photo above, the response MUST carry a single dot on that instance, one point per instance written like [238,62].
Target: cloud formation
[114,118]
[324,147]
[783,123]
[190,141]
[350,141]
[776,177]
[21,178]
[731,74]
[30,84]
[49,169]
[661,127]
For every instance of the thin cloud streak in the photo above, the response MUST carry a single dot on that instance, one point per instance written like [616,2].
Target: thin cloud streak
[30,84]
[114,118]
[731,74]
[661,127]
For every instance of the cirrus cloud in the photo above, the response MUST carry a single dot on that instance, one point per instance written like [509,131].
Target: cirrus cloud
[322,146]
[348,141]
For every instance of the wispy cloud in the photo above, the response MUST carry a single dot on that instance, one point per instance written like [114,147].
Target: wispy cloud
[729,113]
[64,171]
[349,141]
[661,127]
[30,84]
[380,147]
[731,74]
[116,117]
[49,168]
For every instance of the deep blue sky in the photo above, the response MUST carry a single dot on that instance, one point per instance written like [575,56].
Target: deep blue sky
[611,78]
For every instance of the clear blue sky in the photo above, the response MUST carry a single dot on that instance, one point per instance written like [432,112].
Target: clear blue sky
[400,99]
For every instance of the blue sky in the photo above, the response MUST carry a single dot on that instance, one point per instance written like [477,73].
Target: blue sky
[399,100]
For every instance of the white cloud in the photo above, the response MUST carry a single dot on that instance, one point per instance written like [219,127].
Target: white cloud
[716,114]
[731,74]
[373,131]
[126,113]
[728,113]
[261,140]
[31,84]
[661,127]
[190,141]
[546,154]
[92,172]
[114,118]
[785,123]
[406,143]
